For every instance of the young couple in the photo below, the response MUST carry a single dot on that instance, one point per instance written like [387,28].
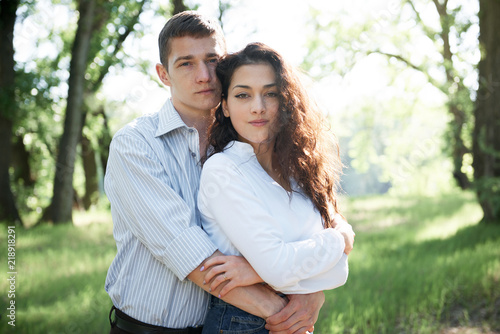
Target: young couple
[258,228]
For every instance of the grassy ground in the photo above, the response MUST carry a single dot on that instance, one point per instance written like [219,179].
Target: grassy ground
[420,265]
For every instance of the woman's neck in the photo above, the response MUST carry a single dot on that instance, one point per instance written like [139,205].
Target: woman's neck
[266,158]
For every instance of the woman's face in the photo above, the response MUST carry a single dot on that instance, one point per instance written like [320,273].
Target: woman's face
[252,103]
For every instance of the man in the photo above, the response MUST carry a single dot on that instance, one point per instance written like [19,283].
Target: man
[152,180]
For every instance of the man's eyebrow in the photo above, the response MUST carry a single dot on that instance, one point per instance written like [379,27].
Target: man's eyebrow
[248,87]
[189,57]
[182,58]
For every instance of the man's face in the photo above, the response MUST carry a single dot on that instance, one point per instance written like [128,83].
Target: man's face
[191,76]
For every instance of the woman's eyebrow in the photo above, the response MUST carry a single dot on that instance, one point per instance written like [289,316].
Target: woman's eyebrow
[248,87]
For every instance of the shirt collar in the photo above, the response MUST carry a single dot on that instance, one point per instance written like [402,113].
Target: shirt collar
[240,149]
[169,119]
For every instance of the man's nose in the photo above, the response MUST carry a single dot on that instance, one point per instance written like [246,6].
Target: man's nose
[203,73]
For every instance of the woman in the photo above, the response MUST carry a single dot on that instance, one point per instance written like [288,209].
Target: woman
[268,187]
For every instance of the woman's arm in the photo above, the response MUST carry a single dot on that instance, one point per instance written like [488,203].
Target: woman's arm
[255,299]
[226,196]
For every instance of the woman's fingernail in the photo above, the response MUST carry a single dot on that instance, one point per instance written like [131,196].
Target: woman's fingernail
[202,267]
[204,282]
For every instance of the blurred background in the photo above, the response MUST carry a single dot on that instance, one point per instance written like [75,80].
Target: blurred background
[411,88]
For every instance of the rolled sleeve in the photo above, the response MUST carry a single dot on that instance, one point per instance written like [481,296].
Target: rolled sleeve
[183,257]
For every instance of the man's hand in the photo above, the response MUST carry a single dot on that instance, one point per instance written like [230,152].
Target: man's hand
[235,270]
[256,299]
[299,316]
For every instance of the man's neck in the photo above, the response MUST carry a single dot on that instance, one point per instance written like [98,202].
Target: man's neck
[201,122]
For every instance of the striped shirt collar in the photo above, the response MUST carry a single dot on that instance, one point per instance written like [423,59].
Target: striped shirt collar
[169,119]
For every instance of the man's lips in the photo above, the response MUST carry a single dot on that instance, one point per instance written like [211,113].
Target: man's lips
[206,91]
[259,122]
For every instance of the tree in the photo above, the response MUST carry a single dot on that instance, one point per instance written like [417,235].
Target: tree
[62,201]
[8,208]
[106,52]
[486,137]
[95,50]
[398,32]
[178,6]
[429,38]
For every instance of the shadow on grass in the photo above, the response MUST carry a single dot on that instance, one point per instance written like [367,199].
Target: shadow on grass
[451,281]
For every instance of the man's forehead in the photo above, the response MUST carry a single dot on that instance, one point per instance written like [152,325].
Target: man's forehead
[188,46]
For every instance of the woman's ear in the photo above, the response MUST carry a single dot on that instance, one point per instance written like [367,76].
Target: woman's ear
[224,108]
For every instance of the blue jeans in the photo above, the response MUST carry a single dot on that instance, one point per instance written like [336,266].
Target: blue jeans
[224,318]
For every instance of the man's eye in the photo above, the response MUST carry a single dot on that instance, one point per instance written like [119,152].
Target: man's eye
[184,64]
[213,61]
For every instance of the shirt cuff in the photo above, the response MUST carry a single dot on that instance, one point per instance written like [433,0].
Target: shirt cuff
[188,251]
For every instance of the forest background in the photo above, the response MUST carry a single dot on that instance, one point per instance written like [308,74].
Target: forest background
[411,89]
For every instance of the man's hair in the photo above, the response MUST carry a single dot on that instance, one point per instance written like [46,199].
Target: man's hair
[188,23]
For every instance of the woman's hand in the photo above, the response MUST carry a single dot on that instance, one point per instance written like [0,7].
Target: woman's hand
[235,270]
[345,229]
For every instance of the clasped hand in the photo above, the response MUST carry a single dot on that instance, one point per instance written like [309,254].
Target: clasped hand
[234,270]
[299,315]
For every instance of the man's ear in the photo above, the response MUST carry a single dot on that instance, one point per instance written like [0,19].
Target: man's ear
[163,74]
[224,108]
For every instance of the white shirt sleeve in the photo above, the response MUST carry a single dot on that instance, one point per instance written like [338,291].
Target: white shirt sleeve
[305,266]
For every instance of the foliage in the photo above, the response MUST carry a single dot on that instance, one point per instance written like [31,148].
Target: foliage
[41,86]
[417,44]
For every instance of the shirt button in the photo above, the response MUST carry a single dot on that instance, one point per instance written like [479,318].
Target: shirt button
[191,130]
[193,154]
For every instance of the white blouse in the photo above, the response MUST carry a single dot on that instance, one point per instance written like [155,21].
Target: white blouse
[245,212]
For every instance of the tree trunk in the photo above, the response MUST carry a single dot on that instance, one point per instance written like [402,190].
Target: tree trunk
[63,182]
[179,6]
[90,169]
[8,208]
[104,142]
[459,115]
[21,163]
[486,138]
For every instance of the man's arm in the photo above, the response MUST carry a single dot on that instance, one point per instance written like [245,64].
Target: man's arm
[255,299]
[295,315]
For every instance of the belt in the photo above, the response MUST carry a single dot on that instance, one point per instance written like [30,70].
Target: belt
[136,327]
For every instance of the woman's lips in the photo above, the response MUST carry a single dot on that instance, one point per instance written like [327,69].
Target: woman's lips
[259,122]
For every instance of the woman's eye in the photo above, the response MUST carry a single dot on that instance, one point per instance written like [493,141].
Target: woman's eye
[241,96]
[272,94]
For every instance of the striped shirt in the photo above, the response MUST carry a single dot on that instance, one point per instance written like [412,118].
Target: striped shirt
[152,182]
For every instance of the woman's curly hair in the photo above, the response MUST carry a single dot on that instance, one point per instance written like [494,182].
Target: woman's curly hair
[305,148]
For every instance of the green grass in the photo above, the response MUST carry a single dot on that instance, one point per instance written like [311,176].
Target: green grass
[419,265]
[60,278]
